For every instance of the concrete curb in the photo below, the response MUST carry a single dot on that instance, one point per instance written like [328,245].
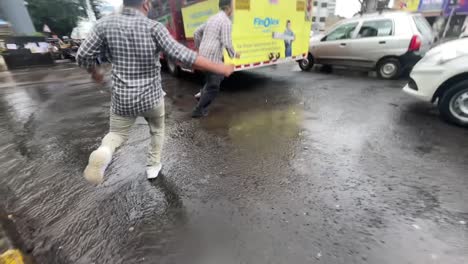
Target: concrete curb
[10,244]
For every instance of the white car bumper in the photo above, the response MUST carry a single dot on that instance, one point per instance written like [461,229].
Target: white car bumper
[407,89]
[424,82]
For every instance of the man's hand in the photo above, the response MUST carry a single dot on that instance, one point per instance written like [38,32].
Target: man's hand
[228,70]
[204,64]
[238,55]
[97,76]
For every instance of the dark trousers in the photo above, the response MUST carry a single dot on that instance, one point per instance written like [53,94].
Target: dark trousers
[210,90]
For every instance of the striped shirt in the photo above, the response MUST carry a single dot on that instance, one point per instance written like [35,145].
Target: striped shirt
[214,36]
[133,43]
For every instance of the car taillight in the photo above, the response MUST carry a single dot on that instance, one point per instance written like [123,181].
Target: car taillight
[415,43]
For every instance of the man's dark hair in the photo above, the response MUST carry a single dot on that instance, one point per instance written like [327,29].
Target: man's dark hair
[133,3]
[223,4]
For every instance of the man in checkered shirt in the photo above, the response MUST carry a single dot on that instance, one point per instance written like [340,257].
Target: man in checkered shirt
[211,39]
[133,43]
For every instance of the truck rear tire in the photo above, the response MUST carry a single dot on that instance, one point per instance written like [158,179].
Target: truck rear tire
[306,64]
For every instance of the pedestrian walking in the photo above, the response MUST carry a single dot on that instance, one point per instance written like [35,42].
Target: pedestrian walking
[133,43]
[211,39]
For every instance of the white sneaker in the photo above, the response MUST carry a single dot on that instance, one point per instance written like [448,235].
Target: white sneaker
[198,95]
[97,165]
[152,172]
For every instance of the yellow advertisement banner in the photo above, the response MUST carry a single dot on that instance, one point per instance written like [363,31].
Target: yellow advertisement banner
[271,30]
[407,5]
[196,15]
[262,30]
[243,4]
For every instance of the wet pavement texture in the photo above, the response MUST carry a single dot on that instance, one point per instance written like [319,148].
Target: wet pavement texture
[289,167]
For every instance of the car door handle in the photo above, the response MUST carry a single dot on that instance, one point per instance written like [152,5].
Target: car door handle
[382,42]
[342,44]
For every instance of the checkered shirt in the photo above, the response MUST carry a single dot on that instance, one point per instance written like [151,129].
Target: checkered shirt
[133,43]
[214,36]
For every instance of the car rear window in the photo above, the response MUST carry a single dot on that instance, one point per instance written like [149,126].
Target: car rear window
[423,26]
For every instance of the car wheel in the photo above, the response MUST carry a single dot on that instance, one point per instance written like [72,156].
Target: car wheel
[453,105]
[307,64]
[326,68]
[389,69]
[173,68]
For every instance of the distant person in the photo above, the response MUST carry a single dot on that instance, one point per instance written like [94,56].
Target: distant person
[211,39]
[133,43]
[289,38]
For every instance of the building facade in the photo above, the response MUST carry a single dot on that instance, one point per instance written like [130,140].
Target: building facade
[439,13]
[322,9]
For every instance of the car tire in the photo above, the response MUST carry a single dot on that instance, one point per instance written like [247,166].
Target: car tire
[389,69]
[71,58]
[453,105]
[306,64]
[173,68]
[326,68]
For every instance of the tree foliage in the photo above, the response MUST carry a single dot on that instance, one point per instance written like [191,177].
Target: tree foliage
[60,15]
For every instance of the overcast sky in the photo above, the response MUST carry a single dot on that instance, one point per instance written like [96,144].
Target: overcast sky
[348,8]
[116,3]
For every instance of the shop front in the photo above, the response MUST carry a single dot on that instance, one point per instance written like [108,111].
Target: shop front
[459,21]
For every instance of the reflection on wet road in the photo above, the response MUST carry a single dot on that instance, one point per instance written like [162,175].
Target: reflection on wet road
[289,167]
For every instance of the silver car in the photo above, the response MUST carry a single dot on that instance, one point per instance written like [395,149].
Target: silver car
[388,42]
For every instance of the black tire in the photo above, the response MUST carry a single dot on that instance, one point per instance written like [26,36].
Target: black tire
[447,104]
[173,68]
[307,64]
[389,69]
[71,58]
[326,68]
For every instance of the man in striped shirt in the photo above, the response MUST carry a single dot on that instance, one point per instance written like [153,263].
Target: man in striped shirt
[211,39]
[133,43]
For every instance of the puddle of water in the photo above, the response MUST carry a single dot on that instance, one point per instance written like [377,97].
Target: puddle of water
[259,129]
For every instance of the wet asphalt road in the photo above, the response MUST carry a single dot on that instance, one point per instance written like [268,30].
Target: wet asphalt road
[289,167]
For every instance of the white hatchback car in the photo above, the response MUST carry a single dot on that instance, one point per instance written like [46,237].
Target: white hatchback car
[389,42]
[442,77]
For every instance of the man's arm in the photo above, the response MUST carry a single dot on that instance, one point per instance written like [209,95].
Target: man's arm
[89,50]
[204,64]
[226,39]
[178,52]
[198,35]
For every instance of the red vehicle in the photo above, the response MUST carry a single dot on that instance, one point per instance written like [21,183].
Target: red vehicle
[169,13]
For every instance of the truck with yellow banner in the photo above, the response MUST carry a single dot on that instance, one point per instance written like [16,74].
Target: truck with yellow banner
[264,32]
